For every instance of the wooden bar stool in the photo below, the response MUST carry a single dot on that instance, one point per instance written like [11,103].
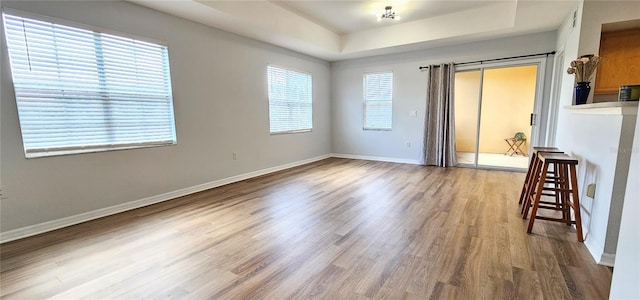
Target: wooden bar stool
[530,180]
[566,189]
[550,177]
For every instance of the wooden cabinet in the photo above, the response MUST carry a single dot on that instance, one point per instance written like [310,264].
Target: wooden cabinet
[620,64]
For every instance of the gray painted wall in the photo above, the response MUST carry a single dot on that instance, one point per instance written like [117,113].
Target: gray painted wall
[220,102]
[347,135]
[221,106]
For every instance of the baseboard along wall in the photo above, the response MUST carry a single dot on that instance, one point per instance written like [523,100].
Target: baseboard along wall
[31,230]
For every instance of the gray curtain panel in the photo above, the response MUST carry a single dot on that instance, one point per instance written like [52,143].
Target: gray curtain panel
[439,138]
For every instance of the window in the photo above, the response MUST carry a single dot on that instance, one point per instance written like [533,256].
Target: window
[79,90]
[378,94]
[290,105]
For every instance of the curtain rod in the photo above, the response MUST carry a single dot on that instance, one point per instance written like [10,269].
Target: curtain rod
[497,59]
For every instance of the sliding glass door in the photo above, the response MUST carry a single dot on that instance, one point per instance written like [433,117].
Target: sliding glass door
[466,106]
[495,112]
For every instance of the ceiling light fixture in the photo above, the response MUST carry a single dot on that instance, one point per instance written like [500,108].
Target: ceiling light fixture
[388,14]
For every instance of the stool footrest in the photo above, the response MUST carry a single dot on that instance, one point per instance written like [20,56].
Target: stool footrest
[562,190]
[551,203]
[554,219]
[553,181]
[550,207]
[545,194]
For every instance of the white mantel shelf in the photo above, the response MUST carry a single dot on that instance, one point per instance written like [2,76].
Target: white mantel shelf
[605,108]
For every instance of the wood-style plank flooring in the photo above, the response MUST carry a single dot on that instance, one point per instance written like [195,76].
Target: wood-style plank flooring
[334,229]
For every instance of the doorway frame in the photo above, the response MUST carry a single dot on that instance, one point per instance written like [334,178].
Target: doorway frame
[537,134]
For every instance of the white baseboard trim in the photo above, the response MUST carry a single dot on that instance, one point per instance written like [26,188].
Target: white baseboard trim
[598,254]
[607,259]
[595,251]
[377,158]
[111,210]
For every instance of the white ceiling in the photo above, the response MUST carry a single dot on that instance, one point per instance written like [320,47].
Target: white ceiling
[337,30]
[349,16]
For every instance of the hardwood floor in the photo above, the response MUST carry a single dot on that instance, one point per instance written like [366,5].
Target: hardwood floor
[336,229]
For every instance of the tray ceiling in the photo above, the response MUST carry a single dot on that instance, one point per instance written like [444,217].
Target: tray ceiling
[338,30]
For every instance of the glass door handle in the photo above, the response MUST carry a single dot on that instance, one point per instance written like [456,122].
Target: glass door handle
[532,120]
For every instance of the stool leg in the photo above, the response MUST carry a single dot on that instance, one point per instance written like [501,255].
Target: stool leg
[557,181]
[519,145]
[561,185]
[576,202]
[536,201]
[526,181]
[531,186]
[562,193]
[566,195]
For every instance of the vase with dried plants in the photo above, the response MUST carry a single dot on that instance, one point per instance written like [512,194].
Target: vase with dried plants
[584,67]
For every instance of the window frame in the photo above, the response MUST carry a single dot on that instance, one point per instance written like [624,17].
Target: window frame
[310,129]
[364,101]
[69,150]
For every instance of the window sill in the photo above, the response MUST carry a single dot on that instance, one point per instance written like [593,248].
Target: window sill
[377,129]
[290,132]
[90,150]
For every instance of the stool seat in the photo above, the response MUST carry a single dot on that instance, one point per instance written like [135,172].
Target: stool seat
[546,149]
[530,179]
[557,157]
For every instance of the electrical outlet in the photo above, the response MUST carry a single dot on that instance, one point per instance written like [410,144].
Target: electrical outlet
[591,190]
[408,144]
[235,156]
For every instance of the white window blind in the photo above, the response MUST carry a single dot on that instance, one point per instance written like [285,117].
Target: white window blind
[80,90]
[378,92]
[290,103]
